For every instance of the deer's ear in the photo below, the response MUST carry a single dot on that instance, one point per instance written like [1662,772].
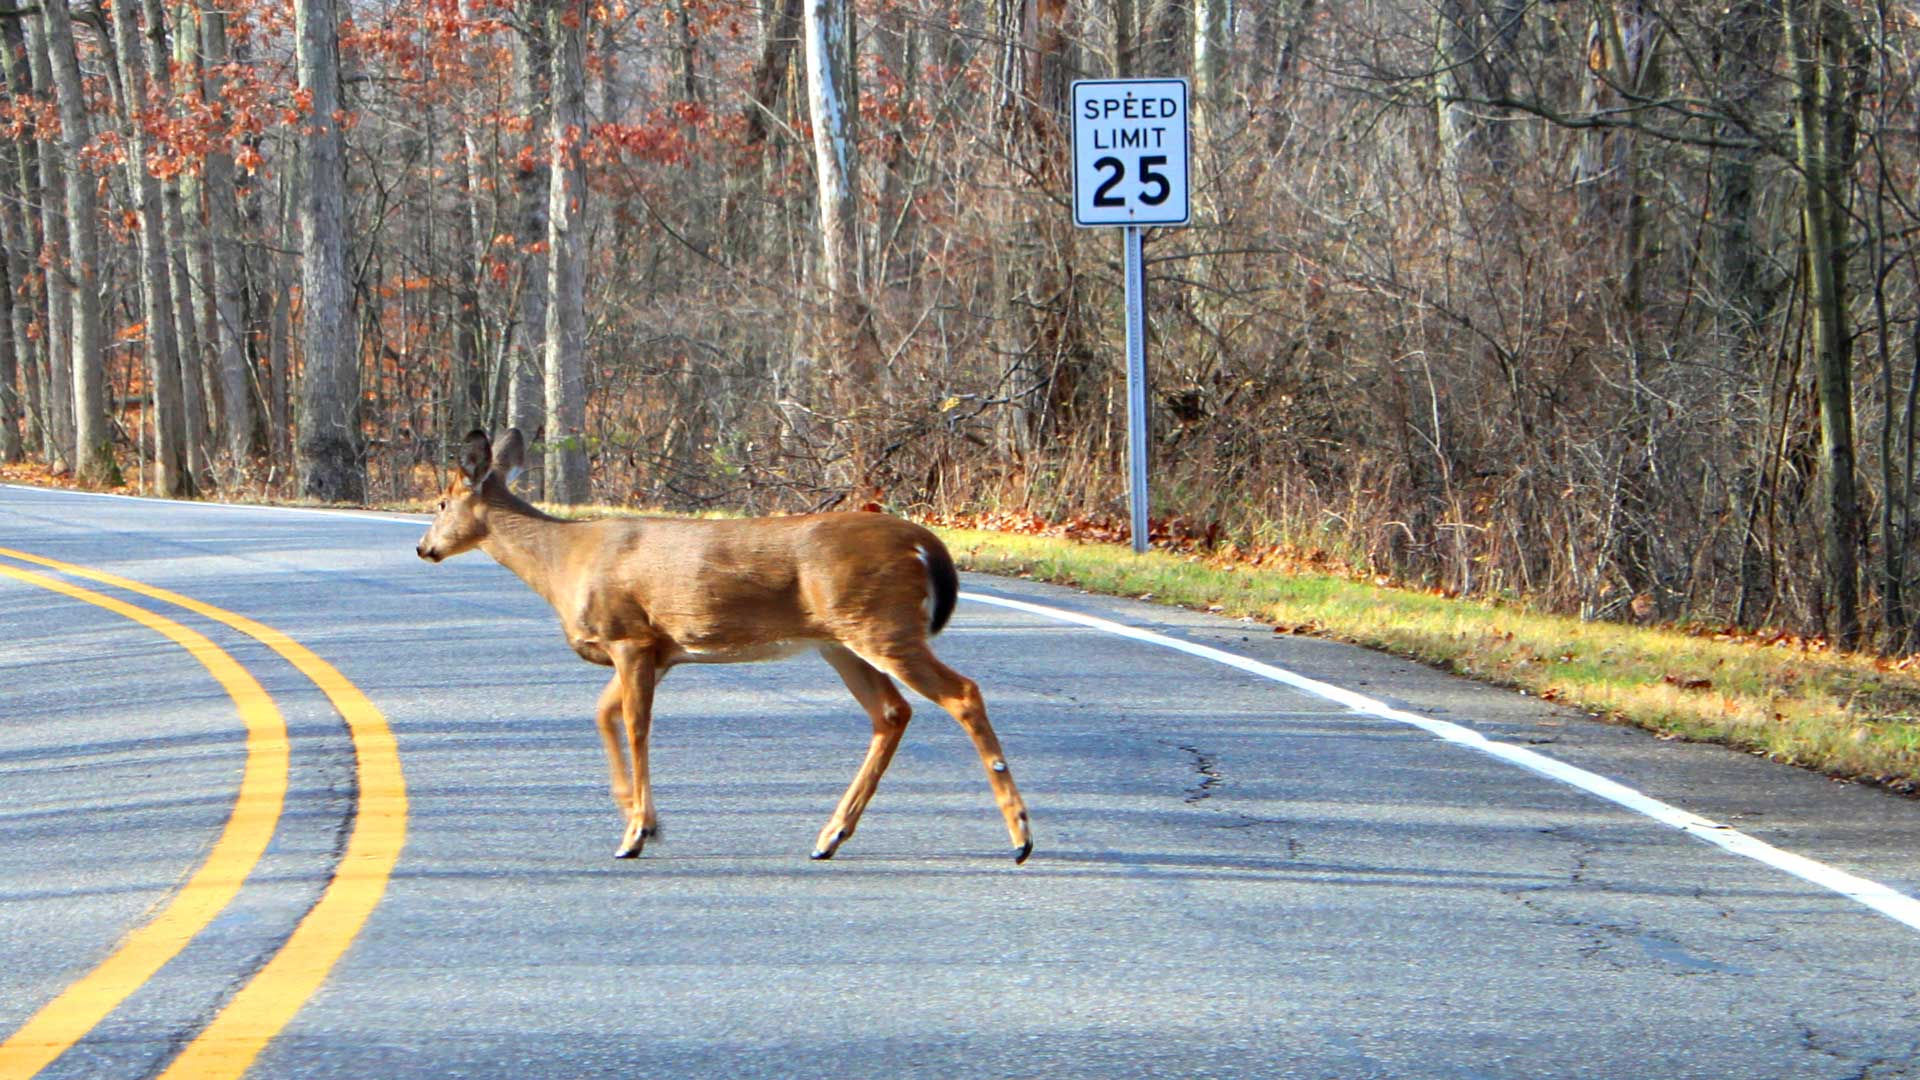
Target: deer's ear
[512,458]
[476,457]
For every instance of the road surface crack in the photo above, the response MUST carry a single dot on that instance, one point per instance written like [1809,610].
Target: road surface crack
[1876,1068]
[1206,767]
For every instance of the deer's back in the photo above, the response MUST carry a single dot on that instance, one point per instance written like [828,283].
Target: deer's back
[750,585]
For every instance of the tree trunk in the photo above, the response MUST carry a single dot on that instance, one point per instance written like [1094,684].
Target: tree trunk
[466,391]
[229,278]
[1169,29]
[899,51]
[1748,47]
[170,473]
[566,388]
[1748,51]
[10,314]
[55,361]
[830,107]
[280,320]
[11,445]
[1816,73]
[770,71]
[1034,292]
[526,401]
[21,238]
[1277,33]
[16,355]
[175,209]
[686,52]
[329,446]
[92,426]
[196,241]
[1209,67]
[1474,61]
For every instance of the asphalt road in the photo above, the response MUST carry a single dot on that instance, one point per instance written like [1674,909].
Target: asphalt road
[1230,878]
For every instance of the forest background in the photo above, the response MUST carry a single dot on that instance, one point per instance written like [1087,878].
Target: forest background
[1608,307]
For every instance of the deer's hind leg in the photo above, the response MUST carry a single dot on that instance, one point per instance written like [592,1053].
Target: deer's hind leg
[916,666]
[889,713]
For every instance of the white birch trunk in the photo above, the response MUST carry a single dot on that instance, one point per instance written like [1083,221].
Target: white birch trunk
[828,108]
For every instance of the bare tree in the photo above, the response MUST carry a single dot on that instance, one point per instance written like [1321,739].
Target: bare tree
[56,357]
[533,181]
[1824,51]
[193,263]
[19,233]
[329,446]
[11,447]
[15,349]
[229,277]
[566,388]
[171,474]
[830,107]
[92,427]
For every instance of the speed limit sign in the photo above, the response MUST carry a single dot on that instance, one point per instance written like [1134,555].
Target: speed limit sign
[1130,152]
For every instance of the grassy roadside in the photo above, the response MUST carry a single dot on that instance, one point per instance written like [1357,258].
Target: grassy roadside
[1847,716]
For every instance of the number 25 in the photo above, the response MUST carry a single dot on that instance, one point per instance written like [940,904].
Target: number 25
[1116,171]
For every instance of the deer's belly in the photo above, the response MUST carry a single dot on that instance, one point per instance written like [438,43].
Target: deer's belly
[744,654]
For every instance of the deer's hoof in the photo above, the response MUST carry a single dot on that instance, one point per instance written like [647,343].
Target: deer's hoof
[1020,853]
[632,843]
[828,845]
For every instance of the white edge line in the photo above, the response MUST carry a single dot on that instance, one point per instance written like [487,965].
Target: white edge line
[1884,899]
[1887,901]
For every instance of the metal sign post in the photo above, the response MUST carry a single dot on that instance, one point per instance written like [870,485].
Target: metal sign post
[1136,273]
[1130,139]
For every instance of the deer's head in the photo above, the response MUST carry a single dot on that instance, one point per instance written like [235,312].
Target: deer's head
[460,522]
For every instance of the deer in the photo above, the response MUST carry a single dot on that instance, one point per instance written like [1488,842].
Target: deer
[867,591]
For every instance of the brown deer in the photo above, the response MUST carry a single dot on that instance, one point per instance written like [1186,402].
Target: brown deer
[641,595]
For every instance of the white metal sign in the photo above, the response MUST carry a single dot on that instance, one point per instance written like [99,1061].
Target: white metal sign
[1130,140]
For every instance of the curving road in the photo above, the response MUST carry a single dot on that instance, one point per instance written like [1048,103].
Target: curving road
[1232,876]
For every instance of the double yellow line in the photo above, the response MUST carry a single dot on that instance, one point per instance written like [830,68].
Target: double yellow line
[261,1008]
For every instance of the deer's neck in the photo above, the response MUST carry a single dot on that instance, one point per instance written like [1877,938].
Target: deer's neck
[533,545]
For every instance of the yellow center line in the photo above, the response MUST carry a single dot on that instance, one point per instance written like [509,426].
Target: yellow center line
[256,811]
[264,1006]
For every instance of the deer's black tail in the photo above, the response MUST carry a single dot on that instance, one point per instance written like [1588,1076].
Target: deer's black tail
[944,581]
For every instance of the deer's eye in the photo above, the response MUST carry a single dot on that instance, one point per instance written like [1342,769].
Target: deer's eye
[443,504]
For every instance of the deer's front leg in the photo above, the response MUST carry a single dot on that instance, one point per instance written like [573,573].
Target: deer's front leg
[634,668]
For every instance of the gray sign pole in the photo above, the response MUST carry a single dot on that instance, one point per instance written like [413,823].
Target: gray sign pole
[1136,387]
